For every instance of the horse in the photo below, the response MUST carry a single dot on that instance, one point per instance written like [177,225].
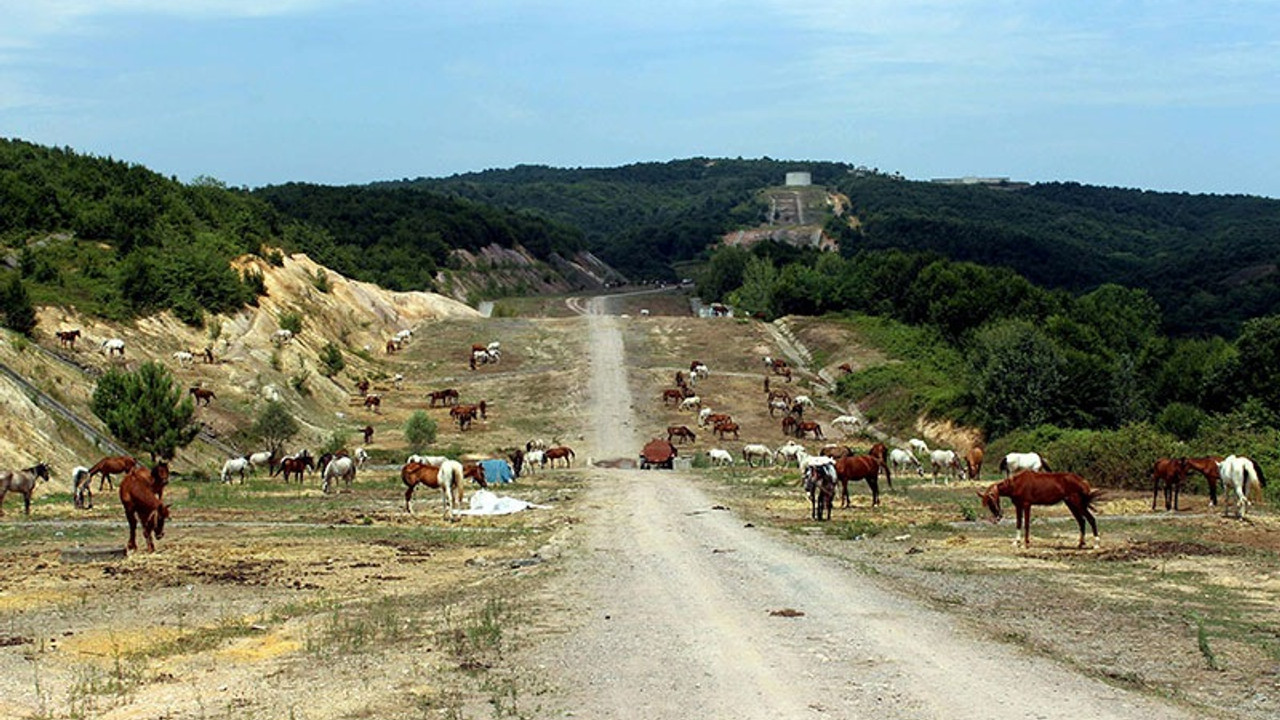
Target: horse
[835,452]
[1237,473]
[201,394]
[282,336]
[714,418]
[1172,473]
[562,452]
[361,456]
[112,346]
[258,459]
[675,395]
[535,444]
[448,477]
[341,467]
[296,465]
[682,432]
[363,386]
[81,488]
[778,405]
[1029,488]
[693,402]
[790,451]
[184,358]
[918,446]
[141,492]
[880,452]
[820,479]
[901,459]
[726,427]
[464,415]
[435,460]
[238,466]
[859,467]
[535,457]
[1208,467]
[845,368]
[367,432]
[23,481]
[809,426]
[756,450]
[112,465]
[947,459]
[67,338]
[719,457]
[1014,463]
[789,424]
[207,353]
[392,346]
[698,370]
[373,400]
[846,424]
[445,397]
[782,395]
[973,462]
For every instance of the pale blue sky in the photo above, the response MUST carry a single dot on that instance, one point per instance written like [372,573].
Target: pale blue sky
[1162,94]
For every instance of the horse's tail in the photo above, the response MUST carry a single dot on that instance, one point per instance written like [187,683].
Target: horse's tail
[1091,497]
[1004,464]
[1044,465]
[1262,480]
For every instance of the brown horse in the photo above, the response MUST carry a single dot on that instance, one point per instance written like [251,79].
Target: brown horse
[1172,473]
[442,477]
[675,395]
[363,387]
[880,452]
[973,462]
[202,394]
[464,415]
[789,425]
[1029,488]
[22,481]
[1208,467]
[858,467]
[715,419]
[808,426]
[367,432]
[67,338]
[726,427]
[682,432]
[296,465]
[374,401]
[111,465]
[560,452]
[845,368]
[142,503]
[446,397]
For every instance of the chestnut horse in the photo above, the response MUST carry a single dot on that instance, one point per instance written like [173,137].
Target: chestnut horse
[445,397]
[111,465]
[67,338]
[141,492]
[562,452]
[858,467]
[1208,467]
[682,432]
[296,465]
[1029,488]
[201,394]
[447,477]
[973,462]
[1172,473]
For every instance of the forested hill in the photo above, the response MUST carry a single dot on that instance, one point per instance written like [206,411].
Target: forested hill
[1208,260]
[640,217]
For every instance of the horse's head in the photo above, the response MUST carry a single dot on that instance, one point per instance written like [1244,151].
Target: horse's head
[41,470]
[991,499]
[476,472]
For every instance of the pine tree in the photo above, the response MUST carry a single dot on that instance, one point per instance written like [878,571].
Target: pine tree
[15,303]
[145,411]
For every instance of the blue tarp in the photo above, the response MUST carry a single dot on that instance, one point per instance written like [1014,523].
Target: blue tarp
[497,471]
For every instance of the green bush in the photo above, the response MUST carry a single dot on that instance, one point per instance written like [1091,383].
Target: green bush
[290,320]
[420,431]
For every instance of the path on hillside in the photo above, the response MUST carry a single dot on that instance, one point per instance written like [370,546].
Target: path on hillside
[674,608]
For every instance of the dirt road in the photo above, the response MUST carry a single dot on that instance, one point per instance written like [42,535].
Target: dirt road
[675,608]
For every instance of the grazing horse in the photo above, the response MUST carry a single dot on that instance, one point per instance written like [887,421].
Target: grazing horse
[726,427]
[756,450]
[23,481]
[846,424]
[343,468]
[535,458]
[112,465]
[947,460]
[363,387]
[464,415]
[918,446]
[682,432]
[1172,473]
[845,368]
[1014,463]
[81,488]
[809,426]
[67,338]
[448,477]
[445,397]
[1208,467]
[296,465]
[238,466]
[141,492]
[1029,488]
[973,462]
[184,357]
[561,452]
[859,467]
[373,400]
[201,394]
[714,418]
[719,457]
[902,459]
[820,479]
[675,395]
[258,459]
[112,346]
[1237,473]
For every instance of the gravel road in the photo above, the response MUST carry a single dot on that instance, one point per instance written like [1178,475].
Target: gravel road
[672,607]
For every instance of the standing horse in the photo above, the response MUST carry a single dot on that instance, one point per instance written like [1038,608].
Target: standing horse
[141,492]
[445,397]
[1029,488]
[820,483]
[1208,467]
[67,338]
[201,395]
[111,465]
[23,481]
[112,346]
[562,452]
[296,465]
[235,466]
[1237,473]
[81,488]
[858,467]
[973,462]
[1172,473]
[448,477]
[1014,463]
[343,468]
[880,452]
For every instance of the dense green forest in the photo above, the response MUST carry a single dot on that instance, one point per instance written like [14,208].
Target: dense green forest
[641,217]
[400,238]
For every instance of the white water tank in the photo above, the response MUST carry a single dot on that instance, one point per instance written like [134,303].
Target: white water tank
[799,179]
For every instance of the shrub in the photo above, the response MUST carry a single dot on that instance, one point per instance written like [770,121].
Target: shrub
[291,320]
[420,431]
[331,362]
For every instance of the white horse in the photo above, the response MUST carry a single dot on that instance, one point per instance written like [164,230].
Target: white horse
[112,346]
[756,450]
[536,444]
[778,404]
[703,414]
[433,460]
[949,461]
[1014,463]
[451,479]
[238,466]
[281,336]
[184,358]
[700,370]
[259,459]
[790,451]
[846,424]
[720,457]
[535,457]
[402,337]
[691,403]
[918,446]
[81,488]
[901,459]
[343,468]
[1237,472]
[361,457]
[803,400]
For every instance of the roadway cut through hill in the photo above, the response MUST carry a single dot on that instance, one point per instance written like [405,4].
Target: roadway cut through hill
[673,607]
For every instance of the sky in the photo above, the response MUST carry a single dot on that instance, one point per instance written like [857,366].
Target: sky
[1171,95]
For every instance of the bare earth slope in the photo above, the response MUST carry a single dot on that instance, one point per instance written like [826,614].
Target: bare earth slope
[675,608]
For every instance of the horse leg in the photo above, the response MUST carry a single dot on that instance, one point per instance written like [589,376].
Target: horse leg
[133,530]
[874,483]
[26,502]
[408,495]
[844,492]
